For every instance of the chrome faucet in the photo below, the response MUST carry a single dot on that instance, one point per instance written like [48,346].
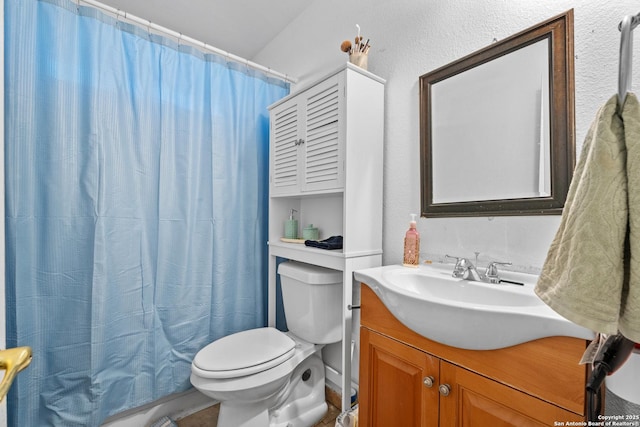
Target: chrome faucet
[464,269]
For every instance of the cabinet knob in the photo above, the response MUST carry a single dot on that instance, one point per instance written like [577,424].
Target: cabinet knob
[444,389]
[298,142]
[428,381]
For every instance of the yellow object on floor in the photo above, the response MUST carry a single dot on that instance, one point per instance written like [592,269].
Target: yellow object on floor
[12,361]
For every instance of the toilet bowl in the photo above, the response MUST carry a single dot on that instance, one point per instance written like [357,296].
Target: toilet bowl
[260,398]
[267,378]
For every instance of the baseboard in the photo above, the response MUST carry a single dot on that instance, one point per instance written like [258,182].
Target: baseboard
[175,406]
[333,388]
[180,405]
[332,377]
[333,397]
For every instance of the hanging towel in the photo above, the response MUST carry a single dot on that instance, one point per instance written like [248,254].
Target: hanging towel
[629,324]
[591,274]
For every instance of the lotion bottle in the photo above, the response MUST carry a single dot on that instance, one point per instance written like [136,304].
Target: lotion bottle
[411,245]
[291,226]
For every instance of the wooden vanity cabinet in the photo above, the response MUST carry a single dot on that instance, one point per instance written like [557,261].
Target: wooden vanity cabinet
[392,390]
[408,380]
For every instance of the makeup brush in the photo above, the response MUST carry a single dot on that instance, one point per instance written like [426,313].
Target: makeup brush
[346,46]
[365,46]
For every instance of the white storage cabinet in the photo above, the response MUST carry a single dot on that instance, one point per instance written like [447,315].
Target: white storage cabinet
[326,162]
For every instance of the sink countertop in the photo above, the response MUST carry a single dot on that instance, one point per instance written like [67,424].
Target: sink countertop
[467,314]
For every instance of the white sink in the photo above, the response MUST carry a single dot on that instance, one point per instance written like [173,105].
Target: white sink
[467,314]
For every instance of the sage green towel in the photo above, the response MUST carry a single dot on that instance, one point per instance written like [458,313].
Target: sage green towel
[590,276]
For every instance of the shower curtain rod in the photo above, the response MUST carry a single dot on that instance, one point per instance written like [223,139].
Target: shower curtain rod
[181,37]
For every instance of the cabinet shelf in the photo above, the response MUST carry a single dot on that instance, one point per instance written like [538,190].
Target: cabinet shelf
[303,248]
[319,193]
[325,258]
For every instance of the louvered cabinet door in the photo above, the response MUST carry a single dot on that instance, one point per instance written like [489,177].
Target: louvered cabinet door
[323,146]
[286,140]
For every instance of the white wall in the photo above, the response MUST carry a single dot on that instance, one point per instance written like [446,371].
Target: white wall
[412,37]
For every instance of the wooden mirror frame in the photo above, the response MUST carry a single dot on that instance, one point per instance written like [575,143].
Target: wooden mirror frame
[559,31]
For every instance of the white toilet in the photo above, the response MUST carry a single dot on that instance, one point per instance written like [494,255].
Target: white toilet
[267,378]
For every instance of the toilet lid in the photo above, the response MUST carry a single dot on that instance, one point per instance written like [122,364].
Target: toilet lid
[245,353]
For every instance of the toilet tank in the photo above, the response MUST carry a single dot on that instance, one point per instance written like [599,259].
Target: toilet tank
[312,299]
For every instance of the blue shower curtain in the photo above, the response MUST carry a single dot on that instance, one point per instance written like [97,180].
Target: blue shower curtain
[136,204]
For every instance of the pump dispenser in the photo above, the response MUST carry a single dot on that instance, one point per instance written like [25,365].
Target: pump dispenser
[411,245]
[291,226]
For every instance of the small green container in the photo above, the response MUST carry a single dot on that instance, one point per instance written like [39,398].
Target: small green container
[310,233]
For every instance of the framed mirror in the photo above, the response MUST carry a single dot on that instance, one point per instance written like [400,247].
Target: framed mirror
[497,130]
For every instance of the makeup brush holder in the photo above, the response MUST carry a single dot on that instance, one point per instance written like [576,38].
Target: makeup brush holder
[360,59]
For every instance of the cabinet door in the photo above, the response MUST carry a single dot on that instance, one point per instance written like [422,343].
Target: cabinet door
[476,401]
[286,137]
[307,140]
[323,142]
[392,384]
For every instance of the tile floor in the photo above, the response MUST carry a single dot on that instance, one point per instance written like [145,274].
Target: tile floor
[209,418]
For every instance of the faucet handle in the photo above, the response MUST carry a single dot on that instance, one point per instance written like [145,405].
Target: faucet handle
[461,267]
[457,258]
[492,271]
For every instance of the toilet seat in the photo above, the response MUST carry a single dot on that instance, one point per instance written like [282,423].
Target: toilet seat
[244,353]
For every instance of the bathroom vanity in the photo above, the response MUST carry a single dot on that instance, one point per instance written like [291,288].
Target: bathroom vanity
[407,379]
